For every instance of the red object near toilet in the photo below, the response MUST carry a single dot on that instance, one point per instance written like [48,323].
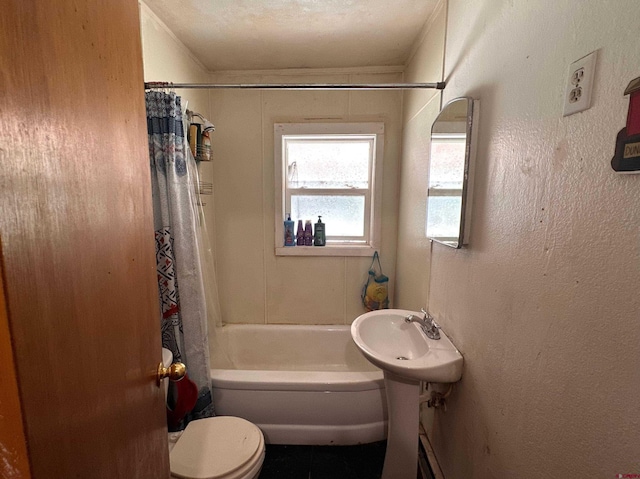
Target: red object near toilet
[187,395]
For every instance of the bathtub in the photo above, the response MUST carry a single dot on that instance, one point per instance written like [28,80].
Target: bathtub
[299,384]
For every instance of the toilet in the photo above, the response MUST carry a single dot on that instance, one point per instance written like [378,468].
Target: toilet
[222,447]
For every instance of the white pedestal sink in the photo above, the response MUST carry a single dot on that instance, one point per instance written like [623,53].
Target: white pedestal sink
[407,357]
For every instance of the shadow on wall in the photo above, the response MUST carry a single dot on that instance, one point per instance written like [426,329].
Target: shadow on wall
[486,13]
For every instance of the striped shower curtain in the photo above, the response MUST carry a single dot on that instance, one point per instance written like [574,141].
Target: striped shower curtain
[180,282]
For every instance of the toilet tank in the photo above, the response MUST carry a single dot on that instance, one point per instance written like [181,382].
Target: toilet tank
[167,359]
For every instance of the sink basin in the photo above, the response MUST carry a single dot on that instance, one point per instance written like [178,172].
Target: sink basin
[403,349]
[406,356]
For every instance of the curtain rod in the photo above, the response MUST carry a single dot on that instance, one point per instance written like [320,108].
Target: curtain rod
[296,86]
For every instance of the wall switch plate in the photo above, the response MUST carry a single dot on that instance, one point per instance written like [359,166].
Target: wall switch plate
[577,95]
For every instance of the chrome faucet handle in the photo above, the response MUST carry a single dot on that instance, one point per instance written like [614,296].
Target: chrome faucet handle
[427,316]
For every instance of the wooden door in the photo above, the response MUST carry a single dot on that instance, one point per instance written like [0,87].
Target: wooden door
[14,459]
[77,237]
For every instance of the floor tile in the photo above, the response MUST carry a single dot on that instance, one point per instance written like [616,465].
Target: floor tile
[324,462]
[286,462]
[348,462]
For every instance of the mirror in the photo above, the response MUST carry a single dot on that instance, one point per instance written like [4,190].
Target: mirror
[450,173]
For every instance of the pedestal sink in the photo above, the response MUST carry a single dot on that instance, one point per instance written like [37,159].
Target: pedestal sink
[407,357]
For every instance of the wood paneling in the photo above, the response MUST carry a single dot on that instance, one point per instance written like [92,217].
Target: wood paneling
[77,230]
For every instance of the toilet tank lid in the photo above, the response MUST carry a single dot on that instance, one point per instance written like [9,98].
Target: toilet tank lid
[167,357]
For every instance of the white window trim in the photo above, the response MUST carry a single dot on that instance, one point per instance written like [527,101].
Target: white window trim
[372,223]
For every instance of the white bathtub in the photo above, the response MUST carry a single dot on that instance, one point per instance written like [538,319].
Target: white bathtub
[299,384]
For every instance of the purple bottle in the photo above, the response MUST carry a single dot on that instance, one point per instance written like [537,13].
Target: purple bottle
[308,233]
[300,234]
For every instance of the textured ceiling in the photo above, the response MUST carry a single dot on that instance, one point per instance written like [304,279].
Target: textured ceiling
[274,34]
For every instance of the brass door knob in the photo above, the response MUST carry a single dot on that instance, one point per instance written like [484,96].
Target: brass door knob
[175,372]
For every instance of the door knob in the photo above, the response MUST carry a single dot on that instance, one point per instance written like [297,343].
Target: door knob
[175,372]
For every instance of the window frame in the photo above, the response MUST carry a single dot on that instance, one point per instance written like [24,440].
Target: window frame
[372,225]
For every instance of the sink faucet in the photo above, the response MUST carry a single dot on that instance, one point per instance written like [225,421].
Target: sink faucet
[427,324]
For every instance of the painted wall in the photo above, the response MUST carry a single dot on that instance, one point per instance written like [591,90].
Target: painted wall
[543,303]
[167,59]
[420,108]
[256,286]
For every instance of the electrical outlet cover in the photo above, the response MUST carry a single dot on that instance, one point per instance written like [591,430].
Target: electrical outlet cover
[577,96]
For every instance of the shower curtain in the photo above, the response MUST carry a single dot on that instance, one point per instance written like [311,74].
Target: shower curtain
[180,281]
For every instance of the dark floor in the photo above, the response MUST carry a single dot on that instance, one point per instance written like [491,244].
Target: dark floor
[324,462]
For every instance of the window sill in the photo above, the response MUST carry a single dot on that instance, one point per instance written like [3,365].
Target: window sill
[337,250]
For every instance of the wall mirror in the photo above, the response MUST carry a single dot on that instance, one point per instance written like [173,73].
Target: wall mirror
[451,173]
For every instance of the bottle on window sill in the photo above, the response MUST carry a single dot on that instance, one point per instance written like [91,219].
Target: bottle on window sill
[300,234]
[320,238]
[308,233]
[288,231]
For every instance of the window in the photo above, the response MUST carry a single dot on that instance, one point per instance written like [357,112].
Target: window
[330,170]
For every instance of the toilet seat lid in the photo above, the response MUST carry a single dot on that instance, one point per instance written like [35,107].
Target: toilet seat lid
[214,447]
